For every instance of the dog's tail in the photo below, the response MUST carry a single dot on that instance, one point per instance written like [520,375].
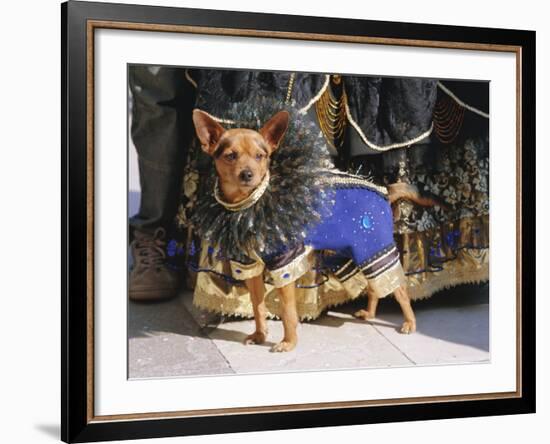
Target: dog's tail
[410,192]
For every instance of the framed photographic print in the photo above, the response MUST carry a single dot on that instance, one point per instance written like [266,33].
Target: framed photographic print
[275,221]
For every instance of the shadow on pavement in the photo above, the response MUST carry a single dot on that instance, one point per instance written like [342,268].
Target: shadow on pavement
[454,315]
[148,319]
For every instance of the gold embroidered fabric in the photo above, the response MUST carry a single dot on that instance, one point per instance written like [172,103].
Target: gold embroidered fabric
[387,282]
[453,253]
[280,277]
[468,264]
[293,270]
[471,266]
[246,271]
[213,293]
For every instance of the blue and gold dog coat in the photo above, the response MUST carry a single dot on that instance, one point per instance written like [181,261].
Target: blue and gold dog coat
[357,237]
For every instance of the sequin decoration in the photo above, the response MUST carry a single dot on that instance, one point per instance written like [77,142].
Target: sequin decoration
[366,222]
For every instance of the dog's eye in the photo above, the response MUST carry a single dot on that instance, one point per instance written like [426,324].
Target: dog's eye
[259,156]
[231,156]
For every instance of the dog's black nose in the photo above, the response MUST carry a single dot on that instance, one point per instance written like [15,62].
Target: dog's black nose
[246,175]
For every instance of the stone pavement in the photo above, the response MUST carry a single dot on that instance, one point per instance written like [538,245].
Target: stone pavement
[174,338]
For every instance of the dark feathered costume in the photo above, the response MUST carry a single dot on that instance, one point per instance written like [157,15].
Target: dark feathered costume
[295,200]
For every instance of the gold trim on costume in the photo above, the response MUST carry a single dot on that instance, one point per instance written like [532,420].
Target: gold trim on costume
[292,271]
[290,88]
[378,259]
[337,177]
[467,261]
[190,79]
[460,102]
[317,96]
[355,285]
[219,119]
[470,267]
[383,269]
[387,282]
[375,147]
[246,271]
[342,268]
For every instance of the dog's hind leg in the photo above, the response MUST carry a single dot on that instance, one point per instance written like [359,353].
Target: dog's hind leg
[289,316]
[370,312]
[402,296]
[256,288]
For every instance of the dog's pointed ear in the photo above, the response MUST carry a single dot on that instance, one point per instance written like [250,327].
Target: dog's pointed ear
[274,129]
[208,131]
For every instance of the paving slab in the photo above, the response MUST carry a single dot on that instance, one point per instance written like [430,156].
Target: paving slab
[335,341]
[165,341]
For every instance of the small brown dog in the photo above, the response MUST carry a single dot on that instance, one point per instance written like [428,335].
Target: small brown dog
[241,158]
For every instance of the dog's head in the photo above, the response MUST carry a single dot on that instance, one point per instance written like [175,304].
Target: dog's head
[241,155]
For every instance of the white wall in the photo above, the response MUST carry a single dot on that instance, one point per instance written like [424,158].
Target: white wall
[29,221]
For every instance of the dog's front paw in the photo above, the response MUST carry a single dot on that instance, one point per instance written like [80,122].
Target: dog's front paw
[408,327]
[258,337]
[283,346]
[364,314]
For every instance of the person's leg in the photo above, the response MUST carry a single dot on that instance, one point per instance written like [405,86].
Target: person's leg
[162,101]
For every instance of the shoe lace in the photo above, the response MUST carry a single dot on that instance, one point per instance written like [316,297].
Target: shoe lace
[150,250]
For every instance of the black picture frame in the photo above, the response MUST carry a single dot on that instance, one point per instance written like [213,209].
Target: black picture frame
[77,422]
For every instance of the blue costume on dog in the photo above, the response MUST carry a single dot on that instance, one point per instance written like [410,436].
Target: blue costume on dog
[357,233]
[359,228]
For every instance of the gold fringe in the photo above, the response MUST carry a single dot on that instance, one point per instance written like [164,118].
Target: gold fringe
[470,267]
[331,115]
[213,293]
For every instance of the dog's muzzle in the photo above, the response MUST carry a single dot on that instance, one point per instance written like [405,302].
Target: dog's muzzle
[246,176]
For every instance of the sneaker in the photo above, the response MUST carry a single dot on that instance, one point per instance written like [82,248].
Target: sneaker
[150,278]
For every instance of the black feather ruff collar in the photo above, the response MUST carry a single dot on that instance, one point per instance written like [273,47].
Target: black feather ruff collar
[295,200]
